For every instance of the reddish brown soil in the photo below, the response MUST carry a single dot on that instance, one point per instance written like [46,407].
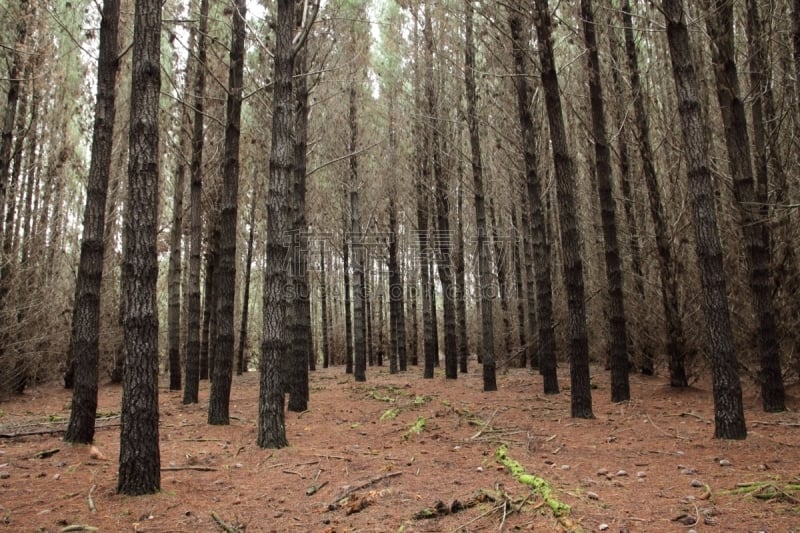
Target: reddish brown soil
[662,440]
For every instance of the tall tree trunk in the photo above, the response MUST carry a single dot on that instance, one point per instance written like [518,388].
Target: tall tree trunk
[485,271]
[300,305]
[175,275]
[676,356]
[139,458]
[646,357]
[442,232]
[241,360]
[219,397]
[208,337]
[192,364]
[359,346]
[274,349]
[348,294]
[538,230]
[754,228]
[85,335]
[12,97]
[620,387]
[395,287]
[323,302]
[412,299]
[368,308]
[500,262]
[728,408]
[519,283]
[570,232]
[460,286]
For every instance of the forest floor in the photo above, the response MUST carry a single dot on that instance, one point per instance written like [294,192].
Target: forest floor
[399,453]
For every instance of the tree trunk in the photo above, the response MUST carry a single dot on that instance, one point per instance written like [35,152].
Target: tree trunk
[500,262]
[676,356]
[395,288]
[323,302]
[620,387]
[646,350]
[139,459]
[460,287]
[300,305]
[485,271]
[241,360]
[348,298]
[519,283]
[728,408]
[10,113]
[719,23]
[209,333]
[274,349]
[570,232]
[84,342]
[192,364]
[538,229]
[359,309]
[219,397]
[412,299]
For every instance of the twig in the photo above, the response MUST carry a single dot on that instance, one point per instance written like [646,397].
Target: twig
[676,436]
[90,501]
[78,527]
[197,468]
[347,491]
[480,432]
[462,527]
[333,457]
[225,526]
[286,471]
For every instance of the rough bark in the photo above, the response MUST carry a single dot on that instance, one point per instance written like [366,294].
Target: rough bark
[85,337]
[676,356]
[219,397]
[485,273]
[540,244]
[460,281]
[300,315]
[571,238]
[519,284]
[500,264]
[274,348]
[359,296]
[192,363]
[754,228]
[620,387]
[241,359]
[323,303]
[728,408]
[139,458]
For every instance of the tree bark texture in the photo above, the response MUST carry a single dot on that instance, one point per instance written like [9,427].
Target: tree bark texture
[85,337]
[676,356]
[728,408]
[139,458]
[192,364]
[219,397]
[274,348]
[541,247]
[484,268]
[754,228]
[570,232]
[620,387]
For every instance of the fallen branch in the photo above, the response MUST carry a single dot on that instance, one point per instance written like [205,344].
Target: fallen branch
[48,432]
[44,454]
[348,490]
[78,527]
[197,468]
[227,528]
[90,500]
[539,486]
